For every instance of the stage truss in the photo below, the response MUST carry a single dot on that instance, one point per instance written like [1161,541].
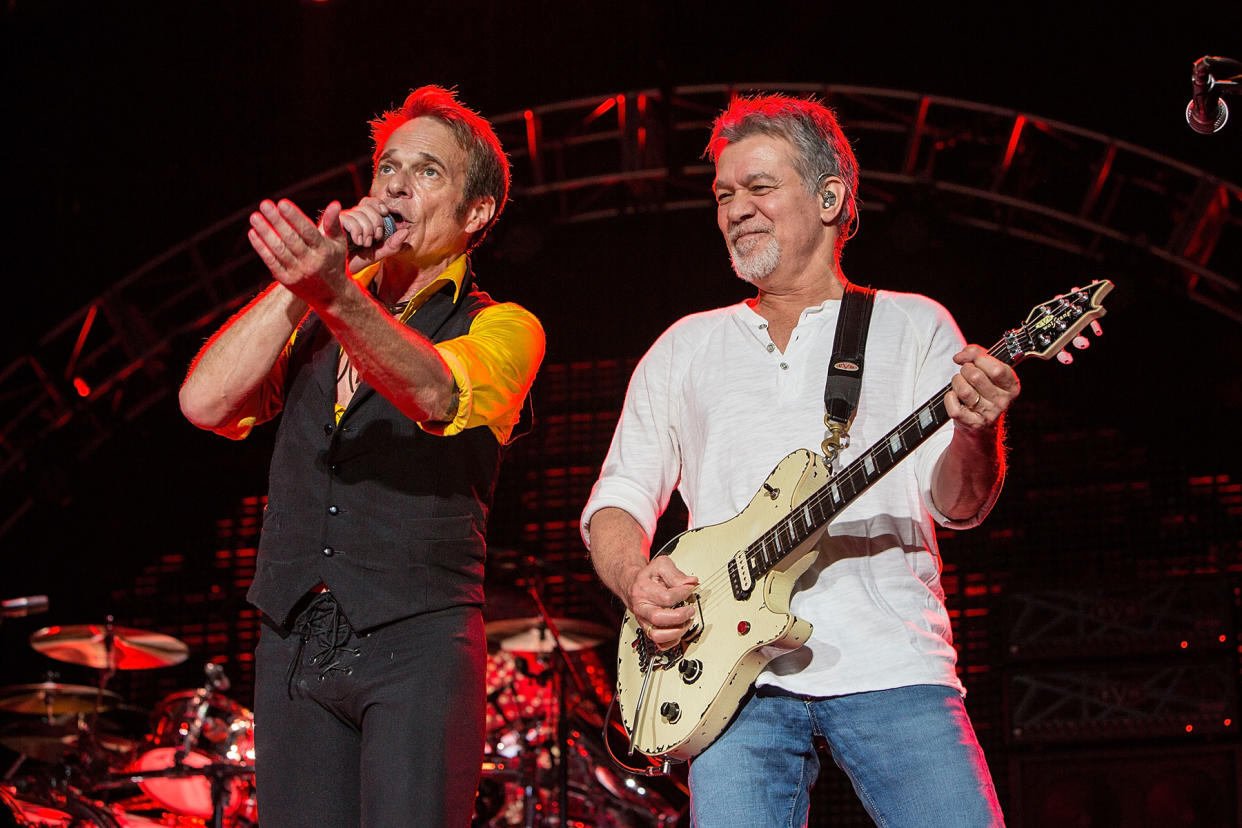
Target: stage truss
[589,159]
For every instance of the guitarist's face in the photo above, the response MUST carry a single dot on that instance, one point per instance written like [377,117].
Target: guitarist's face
[769,219]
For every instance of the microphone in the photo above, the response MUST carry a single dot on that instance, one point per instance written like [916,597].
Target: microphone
[1207,113]
[216,679]
[26,605]
[390,227]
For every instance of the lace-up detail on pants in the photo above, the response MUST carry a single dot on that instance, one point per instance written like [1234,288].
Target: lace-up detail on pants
[325,628]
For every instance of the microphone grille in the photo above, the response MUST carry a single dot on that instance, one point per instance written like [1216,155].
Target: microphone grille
[1207,127]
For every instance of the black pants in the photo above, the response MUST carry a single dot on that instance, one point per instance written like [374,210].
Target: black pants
[383,730]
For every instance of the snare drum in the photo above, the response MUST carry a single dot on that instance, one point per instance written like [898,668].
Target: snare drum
[225,737]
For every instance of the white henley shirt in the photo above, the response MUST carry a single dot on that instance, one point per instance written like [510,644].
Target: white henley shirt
[712,408]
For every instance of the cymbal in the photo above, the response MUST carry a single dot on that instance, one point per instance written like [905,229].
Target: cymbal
[531,635]
[132,649]
[50,742]
[55,699]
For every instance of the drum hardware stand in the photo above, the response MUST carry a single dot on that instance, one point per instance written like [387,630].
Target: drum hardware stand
[218,772]
[563,666]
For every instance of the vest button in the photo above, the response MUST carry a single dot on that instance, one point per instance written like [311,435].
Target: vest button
[328,551]
[333,468]
[332,510]
[327,429]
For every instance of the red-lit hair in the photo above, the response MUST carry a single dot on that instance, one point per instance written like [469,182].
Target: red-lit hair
[487,166]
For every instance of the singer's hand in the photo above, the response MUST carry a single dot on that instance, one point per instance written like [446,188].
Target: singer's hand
[308,261]
[364,226]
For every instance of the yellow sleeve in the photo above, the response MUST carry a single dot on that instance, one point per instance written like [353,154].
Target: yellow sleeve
[493,365]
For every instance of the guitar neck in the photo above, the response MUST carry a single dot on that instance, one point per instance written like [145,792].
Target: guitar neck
[842,489]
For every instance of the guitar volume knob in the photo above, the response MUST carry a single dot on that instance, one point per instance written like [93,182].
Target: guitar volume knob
[671,711]
[690,670]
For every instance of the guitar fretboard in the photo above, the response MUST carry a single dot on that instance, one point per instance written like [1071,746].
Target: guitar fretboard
[821,507]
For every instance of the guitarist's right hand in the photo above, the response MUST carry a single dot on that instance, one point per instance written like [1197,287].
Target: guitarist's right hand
[655,596]
[651,589]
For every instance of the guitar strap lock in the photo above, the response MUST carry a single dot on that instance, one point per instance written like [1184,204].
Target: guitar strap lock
[844,382]
[838,439]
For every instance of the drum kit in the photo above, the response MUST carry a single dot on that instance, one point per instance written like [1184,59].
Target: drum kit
[86,759]
[544,755]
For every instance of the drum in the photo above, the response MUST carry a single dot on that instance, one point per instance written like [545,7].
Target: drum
[223,746]
[60,810]
[17,811]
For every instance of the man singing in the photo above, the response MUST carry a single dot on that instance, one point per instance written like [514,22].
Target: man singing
[719,400]
[399,382]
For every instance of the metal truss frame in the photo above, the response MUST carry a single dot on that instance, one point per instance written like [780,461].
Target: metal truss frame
[997,169]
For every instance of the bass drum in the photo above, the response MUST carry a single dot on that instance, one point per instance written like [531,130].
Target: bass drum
[225,737]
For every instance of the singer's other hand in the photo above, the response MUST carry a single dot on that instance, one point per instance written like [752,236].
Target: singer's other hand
[308,261]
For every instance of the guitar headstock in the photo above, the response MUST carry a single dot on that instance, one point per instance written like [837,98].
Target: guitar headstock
[1058,322]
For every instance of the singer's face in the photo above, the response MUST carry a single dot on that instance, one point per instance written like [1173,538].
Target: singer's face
[421,177]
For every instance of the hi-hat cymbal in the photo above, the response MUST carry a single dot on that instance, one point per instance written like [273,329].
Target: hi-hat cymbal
[531,635]
[51,698]
[87,644]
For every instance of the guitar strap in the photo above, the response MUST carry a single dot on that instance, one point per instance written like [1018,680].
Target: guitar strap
[845,369]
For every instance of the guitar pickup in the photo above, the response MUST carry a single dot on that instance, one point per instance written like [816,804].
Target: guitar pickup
[739,576]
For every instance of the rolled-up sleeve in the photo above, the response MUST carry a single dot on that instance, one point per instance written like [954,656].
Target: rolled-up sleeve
[643,466]
[493,366]
[936,370]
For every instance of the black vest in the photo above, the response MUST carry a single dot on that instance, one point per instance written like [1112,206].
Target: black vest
[391,518]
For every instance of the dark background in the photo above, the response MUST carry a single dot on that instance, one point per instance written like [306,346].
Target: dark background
[132,126]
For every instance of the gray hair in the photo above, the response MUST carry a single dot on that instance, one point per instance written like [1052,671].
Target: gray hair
[811,128]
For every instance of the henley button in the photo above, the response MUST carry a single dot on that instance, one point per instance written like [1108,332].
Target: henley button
[328,551]
[771,347]
[332,510]
[784,366]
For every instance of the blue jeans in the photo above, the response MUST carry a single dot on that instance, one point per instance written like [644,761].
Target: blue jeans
[910,752]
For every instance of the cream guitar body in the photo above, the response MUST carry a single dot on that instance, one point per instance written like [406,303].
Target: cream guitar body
[733,639]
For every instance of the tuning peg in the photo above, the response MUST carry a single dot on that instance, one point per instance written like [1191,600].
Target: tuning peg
[1064,357]
[1095,327]
[1081,342]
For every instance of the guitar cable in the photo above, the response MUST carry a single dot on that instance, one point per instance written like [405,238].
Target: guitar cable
[660,767]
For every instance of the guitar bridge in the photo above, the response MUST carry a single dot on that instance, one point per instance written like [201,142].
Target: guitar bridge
[651,657]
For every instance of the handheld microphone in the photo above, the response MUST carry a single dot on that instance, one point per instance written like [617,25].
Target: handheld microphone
[390,227]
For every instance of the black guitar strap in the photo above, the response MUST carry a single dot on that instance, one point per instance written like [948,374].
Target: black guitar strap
[845,370]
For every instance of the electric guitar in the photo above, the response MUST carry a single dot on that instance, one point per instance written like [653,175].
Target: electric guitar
[676,702]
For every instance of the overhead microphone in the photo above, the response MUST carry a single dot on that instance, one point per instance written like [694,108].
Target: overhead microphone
[1207,113]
